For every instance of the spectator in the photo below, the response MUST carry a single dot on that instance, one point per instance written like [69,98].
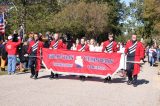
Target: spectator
[3,56]
[158,54]
[11,48]
[23,59]
[152,54]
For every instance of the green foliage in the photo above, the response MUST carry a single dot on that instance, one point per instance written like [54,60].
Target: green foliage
[77,17]
[81,17]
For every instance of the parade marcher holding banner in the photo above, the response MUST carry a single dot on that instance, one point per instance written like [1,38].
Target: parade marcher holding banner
[56,44]
[82,47]
[109,46]
[34,50]
[135,52]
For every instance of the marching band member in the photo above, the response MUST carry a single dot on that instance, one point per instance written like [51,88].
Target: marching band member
[34,50]
[109,46]
[135,52]
[56,44]
[82,47]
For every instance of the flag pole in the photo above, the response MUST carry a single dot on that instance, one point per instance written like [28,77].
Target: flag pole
[4,27]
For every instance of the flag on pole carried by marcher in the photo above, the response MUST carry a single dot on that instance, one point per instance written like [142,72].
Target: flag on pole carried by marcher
[2,23]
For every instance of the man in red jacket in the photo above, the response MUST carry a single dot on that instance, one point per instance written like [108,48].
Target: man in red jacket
[135,52]
[11,48]
[56,44]
[109,46]
[34,50]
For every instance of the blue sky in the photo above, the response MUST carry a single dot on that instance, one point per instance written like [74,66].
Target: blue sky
[127,1]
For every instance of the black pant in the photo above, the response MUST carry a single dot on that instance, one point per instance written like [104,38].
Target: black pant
[130,68]
[33,66]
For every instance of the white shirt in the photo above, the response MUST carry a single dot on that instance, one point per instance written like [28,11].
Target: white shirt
[98,48]
[92,48]
[151,52]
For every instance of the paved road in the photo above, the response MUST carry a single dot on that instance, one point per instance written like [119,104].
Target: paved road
[20,90]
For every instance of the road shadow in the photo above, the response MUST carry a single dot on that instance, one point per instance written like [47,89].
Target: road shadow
[142,81]
[73,77]
[118,80]
[96,79]
[87,79]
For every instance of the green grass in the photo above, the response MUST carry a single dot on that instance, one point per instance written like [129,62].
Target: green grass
[3,73]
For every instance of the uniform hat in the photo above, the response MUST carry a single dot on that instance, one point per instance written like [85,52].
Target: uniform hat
[9,37]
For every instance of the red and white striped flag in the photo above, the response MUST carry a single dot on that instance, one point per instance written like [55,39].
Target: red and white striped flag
[2,23]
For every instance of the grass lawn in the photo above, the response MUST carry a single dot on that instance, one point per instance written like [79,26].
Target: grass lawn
[3,73]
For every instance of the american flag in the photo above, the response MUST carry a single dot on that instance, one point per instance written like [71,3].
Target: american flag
[2,23]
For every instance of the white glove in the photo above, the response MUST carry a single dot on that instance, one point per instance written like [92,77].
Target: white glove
[18,37]
[26,55]
[141,61]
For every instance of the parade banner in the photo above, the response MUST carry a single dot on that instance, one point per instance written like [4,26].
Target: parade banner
[81,63]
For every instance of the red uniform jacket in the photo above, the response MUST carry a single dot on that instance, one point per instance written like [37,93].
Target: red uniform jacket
[59,44]
[40,46]
[11,47]
[82,48]
[64,46]
[107,45]
[139,54]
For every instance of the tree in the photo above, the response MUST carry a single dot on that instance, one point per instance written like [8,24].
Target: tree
[81,18]
[151,16]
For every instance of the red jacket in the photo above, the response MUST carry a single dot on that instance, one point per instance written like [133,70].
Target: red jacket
[139,49]
[11,47]
[40,46]
[64,46]
[114,47]
[60,44]
[139,54]
[79,47]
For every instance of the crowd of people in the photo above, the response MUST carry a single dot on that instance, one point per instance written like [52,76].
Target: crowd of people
[25,52]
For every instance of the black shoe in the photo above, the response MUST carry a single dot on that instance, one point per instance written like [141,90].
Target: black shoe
[129,82]
[35,77]
[108,79]
[105,80]
[56,76]
[2,69]
[31,76]
[82,78]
